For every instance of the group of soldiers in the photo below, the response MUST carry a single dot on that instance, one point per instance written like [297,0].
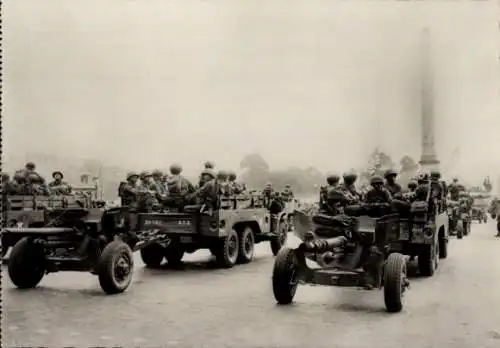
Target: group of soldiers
[28,181]
[173,190]
[336,194]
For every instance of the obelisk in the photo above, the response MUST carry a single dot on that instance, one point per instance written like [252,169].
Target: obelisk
[428,159]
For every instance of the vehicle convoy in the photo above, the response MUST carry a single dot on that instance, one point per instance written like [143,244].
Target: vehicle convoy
[354,249]
[230,231]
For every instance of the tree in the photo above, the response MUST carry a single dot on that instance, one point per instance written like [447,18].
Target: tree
[409,168]
[256,170]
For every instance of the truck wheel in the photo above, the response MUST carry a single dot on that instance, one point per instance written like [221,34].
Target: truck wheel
[277,242]
[285,274]
[460,230]
[152,255]
[443,247]
[226,251]
[466,227]
[395,282]
[115,267]
[26,265]
[174,253]
[246,245]
[427,261]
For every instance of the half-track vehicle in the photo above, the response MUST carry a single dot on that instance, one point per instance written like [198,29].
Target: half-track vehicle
[230,231]
[70,237]
[352,250]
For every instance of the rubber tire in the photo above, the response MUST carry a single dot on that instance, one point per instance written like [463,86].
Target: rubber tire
[426,262]
[244,257]
[222,257]
[394,272]
[276,243]
[443,248]
[466,227]
[174,254]
[105,267]
[26,264]
[460,230]
[153,255]
[284,266]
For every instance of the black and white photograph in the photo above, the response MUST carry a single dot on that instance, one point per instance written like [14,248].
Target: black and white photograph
[250,174]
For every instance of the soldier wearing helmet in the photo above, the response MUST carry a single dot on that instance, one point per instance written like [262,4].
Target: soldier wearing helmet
[378,192]
[348,187]
[157,183]
[332,197]
[288,193]
[58,186]
[222,179]
[178,188]
[390,183]
[236,187]
[36,185]
[454,189]
[127,190]
[438,190]
[146,180]
[207,196]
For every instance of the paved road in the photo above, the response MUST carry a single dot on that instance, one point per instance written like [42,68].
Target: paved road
[204,307]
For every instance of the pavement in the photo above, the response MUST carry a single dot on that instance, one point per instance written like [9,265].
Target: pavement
[201,306]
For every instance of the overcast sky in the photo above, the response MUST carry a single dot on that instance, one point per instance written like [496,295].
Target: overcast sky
[147,83]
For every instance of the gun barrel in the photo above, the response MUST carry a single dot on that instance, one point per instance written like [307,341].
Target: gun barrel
[323,245]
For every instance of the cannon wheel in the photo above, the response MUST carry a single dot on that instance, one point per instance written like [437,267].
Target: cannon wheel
[226,250]
[285,276]
[460,230]
[395,282]
[115,267]
[152,255]
[279,241]
[246,245]
[26,264]
[428,260]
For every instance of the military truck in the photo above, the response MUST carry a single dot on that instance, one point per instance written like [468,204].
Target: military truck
[425,234]
[230,231]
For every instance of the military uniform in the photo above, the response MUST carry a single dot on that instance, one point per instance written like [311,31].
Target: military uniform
[235,186]
[391,185]
[178,188]
[454,189]
[378,193]
[58,186]
[128,190]
[208,194]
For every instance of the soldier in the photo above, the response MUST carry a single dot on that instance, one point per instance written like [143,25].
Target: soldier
[222,179]
[209,165]
[146,180]
[58,186]
[378,193]
[19,183]
[178,187]
[236,187]
[390,183]
[127,191]
[334,196]
[207,195]
[412,186]
[8,187]
[287,193]
[268,194]
[454,189]
[437,190]
[494,211]
[348,187]
[157,183]
[422,191]
[35,185]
